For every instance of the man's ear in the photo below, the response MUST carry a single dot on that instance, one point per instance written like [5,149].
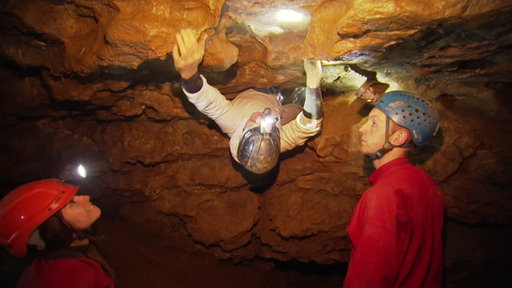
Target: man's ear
[400,137]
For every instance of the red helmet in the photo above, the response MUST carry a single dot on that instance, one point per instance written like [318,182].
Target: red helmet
[27,207]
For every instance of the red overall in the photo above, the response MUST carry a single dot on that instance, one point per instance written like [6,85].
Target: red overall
[70,269]
[396,230]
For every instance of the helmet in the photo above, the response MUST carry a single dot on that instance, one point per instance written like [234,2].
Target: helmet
[411,112]
[258,150]
[371,90]
[27,207]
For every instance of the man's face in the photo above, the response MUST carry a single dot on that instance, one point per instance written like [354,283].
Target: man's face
[373,132]
[253,121]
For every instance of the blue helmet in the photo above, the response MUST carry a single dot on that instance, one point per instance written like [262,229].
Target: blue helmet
[411,112]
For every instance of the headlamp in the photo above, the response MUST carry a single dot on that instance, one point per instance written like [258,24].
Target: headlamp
[267,122]
[73,173]
[81,171]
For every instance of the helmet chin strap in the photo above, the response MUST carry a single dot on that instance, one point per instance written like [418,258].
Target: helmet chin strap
[386,147]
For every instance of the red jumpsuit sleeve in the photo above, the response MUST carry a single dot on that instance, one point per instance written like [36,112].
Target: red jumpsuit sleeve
[374,258]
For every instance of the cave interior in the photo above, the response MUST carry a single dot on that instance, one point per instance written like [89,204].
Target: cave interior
[94,82]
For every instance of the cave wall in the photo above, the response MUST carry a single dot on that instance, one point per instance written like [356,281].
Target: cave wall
[93,81]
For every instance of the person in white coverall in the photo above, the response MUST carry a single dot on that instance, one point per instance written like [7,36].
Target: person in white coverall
[255,142]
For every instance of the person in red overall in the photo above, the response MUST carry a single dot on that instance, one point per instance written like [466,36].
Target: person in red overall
[396,228]
[48,214]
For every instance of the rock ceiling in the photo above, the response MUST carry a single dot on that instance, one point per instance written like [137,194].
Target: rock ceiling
[94,81]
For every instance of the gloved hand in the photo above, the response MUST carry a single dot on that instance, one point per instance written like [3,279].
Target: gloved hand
[313,106]
[188,52]
[313,68]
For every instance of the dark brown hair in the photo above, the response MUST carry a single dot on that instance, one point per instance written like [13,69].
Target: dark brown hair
[56,233]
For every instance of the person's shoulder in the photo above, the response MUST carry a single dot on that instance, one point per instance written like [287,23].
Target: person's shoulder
[407,175]
[63,272]
[417,171]
[75,263]
[253,92]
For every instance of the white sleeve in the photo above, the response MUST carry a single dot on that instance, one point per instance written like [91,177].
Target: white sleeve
[297,132]
[209,100]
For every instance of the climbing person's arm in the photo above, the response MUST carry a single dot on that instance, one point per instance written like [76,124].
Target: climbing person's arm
[313,107]
[188,54]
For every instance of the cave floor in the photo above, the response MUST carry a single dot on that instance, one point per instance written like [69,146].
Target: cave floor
[142,261]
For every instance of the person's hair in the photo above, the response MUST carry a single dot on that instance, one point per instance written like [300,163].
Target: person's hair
[56,233]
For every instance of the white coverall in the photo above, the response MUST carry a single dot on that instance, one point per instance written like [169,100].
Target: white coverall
[231,115]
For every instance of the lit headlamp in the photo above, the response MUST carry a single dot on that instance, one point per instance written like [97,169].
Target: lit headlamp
[267,122]
[81,171]
[73,173]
